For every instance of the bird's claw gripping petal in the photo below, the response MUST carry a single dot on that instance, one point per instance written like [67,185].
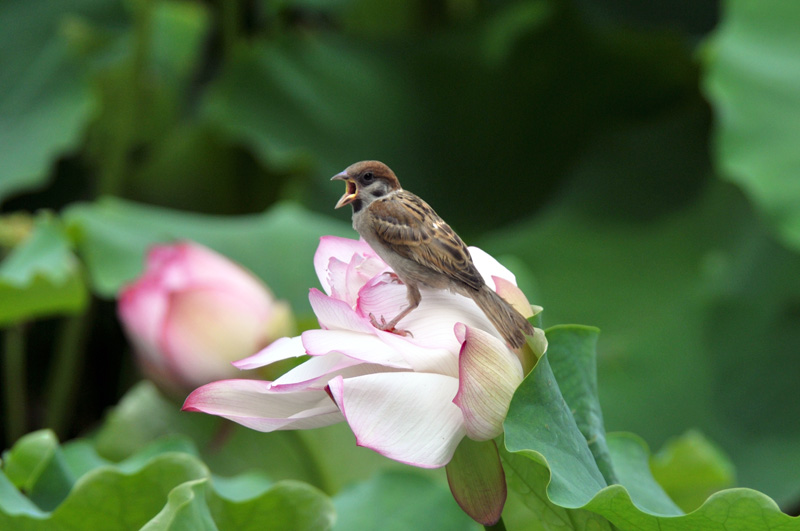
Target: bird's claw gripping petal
[388,327]
[392,277]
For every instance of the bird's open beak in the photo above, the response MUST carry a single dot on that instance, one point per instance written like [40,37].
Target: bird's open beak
[350,193]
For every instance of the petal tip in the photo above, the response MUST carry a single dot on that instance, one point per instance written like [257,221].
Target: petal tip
[460,330]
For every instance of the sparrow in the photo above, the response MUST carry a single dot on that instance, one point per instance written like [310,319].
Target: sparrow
[420,247]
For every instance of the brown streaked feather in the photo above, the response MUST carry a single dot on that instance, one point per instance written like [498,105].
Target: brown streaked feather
[410,227]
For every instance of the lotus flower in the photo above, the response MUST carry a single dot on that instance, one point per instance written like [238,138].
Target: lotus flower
[410,398]
[193,312]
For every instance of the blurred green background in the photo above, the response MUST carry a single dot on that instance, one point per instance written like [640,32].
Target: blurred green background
[635,165]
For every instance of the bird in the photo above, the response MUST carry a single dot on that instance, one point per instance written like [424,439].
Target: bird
[420,247]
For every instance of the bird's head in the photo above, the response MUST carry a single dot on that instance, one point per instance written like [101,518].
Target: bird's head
[366,181]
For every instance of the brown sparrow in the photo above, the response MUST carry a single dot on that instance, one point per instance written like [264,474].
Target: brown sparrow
[420,247]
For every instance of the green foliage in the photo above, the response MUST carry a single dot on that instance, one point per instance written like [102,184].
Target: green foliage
[399,500]
[37,467]
[541,436]
[573,351]
[304,98]
[113,236]
[698,317]
[752,73]
[144,416]
[691,468]
[45,95]
[164,486]
[162,483]
[41,276]
[327,458]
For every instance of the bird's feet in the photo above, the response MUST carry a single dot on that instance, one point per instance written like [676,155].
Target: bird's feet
[388,327]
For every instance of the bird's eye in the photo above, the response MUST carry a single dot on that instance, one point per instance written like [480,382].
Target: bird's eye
[368,177]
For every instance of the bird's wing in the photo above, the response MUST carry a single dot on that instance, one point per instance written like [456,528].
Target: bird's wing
[410,227]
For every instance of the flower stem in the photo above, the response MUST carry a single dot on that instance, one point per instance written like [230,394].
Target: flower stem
[115,166]
[65,373]
[15,376]
[312,464]
[499,526]
[221,435]
[231,17]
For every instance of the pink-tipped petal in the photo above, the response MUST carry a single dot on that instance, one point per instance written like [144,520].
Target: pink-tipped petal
[382,297]
[488,267]
[341,249]
[280,349]
[187,265]
[336,286]
[363,347]
[256,405]
[477,481]
[422,358]
[317,371]
[206,329]
[489,374]
[193,312]
[408,417]
[513,295]
[359,273]
[334,314]
[142,308]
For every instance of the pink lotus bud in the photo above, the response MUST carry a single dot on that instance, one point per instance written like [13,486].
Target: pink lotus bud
[193,312]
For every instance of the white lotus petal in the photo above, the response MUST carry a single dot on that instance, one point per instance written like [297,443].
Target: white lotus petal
[363,347]
[408,417]
[315,368]
[337,280]
[338,248]
[382,297]
[489,267]
[255,404]
[421,358]
[489,373]
[513,295]
[281,349]
[358,273]
[433,321]
[309,377]
[335,314]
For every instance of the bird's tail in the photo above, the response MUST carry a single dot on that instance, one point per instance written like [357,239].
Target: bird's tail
[511,325]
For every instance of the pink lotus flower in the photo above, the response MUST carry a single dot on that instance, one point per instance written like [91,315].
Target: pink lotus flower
[193,312]
[413,398]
